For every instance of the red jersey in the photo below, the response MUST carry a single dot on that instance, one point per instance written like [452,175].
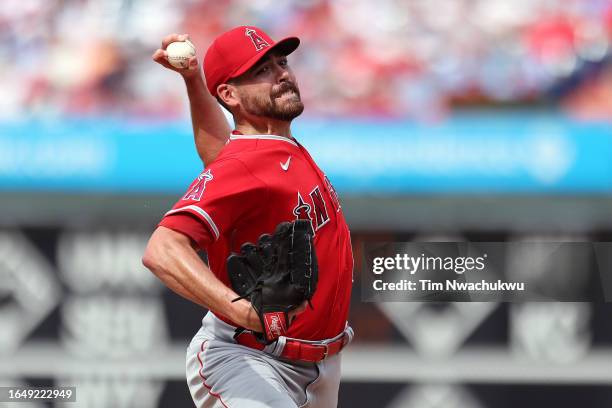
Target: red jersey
[257,182]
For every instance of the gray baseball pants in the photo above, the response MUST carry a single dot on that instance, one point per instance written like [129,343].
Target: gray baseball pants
[223,374]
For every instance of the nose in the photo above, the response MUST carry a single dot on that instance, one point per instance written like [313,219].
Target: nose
[282,73]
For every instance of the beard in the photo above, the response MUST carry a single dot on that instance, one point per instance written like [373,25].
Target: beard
[284,103]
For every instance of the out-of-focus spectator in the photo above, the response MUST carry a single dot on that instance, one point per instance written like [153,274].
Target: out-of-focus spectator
[593,100]
[399,58]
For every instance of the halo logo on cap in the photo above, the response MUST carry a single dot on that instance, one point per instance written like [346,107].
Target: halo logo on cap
[258,42]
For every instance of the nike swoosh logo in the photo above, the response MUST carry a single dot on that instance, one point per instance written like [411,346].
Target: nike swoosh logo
[285,165]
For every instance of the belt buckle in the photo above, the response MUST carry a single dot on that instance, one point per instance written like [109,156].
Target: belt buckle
[325,354]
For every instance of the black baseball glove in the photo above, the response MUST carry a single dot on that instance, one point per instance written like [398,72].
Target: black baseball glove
[277,275]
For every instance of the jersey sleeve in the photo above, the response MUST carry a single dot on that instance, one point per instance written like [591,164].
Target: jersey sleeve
[189,225]
[222,195]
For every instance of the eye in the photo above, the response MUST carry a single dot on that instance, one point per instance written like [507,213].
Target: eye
[283,62]
[262,70]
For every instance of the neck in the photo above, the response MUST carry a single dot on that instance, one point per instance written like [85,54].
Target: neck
[265,127]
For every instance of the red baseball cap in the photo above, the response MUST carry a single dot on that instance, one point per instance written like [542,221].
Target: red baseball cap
[237,50]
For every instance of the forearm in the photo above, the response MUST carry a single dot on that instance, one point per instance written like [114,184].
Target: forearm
[180,268]
[239,312]
[210,127]
[177,287]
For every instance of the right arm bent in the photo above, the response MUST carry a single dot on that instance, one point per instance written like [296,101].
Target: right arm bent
[210,127]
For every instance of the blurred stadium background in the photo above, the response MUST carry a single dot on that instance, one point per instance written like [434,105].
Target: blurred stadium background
[481,120]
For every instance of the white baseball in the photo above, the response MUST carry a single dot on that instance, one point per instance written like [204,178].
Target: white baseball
[179,53]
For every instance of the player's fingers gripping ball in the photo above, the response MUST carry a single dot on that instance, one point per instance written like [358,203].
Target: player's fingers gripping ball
[179,53]
[277,275]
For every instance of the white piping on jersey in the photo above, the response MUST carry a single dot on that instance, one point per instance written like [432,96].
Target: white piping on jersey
[265,137]
[203,214]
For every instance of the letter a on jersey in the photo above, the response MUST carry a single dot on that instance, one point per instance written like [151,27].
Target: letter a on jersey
[258,42]
[197,189]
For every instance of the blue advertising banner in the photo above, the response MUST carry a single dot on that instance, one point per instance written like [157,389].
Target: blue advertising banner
[475,153]
[480,153]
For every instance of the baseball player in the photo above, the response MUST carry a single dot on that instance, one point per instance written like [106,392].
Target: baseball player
[257,176]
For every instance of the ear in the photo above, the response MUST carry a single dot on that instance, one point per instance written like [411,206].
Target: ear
[228,94]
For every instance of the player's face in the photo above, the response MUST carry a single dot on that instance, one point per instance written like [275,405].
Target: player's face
[269,89]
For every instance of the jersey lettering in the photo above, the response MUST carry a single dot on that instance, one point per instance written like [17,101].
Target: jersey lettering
[320,209]
[196,191]
[333,195]
[258,42]
[302,209]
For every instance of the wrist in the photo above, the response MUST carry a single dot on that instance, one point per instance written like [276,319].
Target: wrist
[245,315]
[194,80]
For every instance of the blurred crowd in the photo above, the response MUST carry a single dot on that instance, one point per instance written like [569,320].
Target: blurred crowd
[390,58]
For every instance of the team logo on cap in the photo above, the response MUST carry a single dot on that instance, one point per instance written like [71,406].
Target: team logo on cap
[258,42]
